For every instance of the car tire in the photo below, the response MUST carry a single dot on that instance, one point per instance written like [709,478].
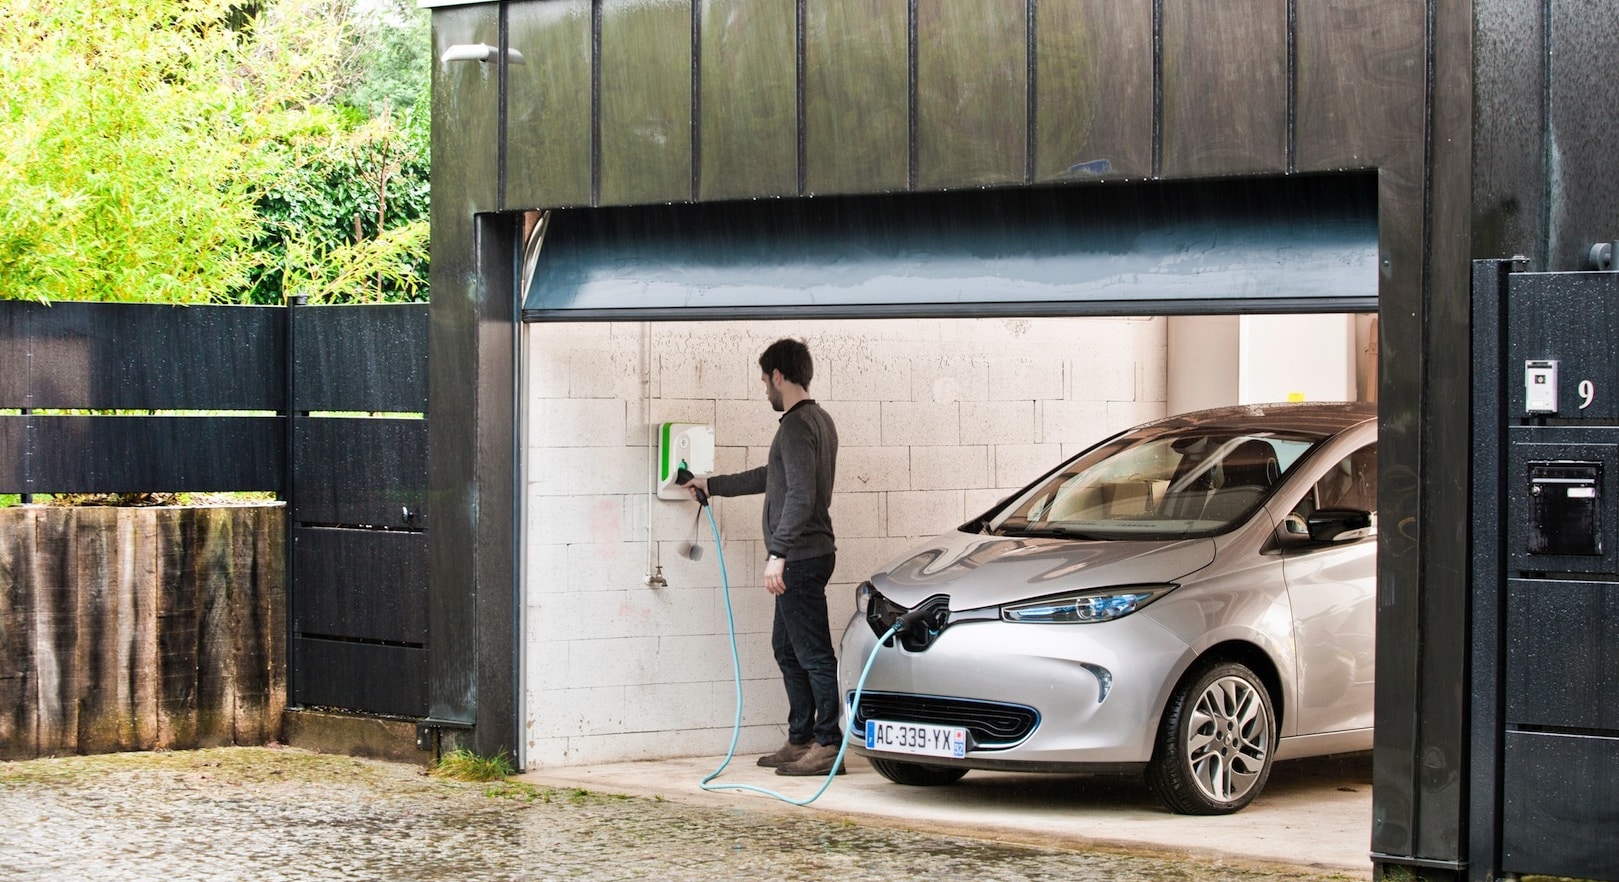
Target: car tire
[915,774]
[1215,743]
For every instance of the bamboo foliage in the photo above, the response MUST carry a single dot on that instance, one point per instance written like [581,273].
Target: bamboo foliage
[163,150]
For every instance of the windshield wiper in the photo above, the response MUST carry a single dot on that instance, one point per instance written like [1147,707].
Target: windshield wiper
[1047,532]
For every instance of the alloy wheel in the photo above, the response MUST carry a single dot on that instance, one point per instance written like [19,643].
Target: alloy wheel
[1228,739]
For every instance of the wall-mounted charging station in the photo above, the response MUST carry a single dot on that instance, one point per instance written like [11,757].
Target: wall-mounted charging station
[688,444]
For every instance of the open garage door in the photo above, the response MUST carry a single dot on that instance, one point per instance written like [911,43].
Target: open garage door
[1296,244]
[940,418]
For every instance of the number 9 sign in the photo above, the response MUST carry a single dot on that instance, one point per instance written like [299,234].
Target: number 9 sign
[1588,393]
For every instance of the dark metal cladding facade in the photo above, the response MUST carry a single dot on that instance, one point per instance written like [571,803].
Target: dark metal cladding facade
[551,104]
[1544,184]
[1355,89]
[471,662]
[686,101]
[971,94]
[645,101]
[1582,130]
[747,70]
[1543,187]
[857,96]
[1224,84]
[1093,90]
[615,105]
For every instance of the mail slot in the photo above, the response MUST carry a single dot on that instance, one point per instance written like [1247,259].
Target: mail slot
[1565,508]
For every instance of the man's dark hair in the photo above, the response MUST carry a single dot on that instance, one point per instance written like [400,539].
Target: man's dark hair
[792,358]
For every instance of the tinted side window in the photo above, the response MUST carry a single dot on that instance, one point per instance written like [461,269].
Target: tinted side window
[1352,483]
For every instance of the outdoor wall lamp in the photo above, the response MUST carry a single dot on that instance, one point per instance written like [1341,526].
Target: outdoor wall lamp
[479,52]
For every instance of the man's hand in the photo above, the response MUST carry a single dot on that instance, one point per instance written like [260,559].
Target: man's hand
[773,576]
[694,485]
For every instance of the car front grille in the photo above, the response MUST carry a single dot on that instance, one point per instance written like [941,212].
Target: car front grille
[993,725]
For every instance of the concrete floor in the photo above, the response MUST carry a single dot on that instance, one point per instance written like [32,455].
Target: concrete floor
[1314,813]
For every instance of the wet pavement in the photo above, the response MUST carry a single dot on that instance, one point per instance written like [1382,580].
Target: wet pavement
[286,814]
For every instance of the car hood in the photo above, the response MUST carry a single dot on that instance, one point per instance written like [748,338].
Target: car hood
[978,570]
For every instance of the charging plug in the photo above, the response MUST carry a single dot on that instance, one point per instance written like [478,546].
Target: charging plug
[919,614]
[683,476]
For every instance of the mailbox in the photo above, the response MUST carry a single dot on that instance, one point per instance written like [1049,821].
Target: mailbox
[1565,511]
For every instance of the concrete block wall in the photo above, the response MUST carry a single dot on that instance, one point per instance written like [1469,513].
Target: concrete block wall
[937,420]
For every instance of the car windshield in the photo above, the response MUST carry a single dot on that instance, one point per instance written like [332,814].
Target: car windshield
[1197,482]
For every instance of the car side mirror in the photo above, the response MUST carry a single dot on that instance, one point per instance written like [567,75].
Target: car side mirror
[1339,525]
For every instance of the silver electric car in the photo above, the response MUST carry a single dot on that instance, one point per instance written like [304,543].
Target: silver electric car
[1192,599]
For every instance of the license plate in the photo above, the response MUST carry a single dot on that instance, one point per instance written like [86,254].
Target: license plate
[919,739]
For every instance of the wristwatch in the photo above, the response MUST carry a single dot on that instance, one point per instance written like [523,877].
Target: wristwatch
[774,556]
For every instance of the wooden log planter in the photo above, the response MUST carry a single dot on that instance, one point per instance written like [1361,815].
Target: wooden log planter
[140,628]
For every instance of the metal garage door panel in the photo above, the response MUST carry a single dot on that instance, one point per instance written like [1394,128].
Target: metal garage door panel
[1293,244]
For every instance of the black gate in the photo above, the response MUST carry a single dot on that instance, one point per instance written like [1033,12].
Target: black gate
[326,406]
[357,559]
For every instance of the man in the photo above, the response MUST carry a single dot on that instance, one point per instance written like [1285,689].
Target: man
[800,554]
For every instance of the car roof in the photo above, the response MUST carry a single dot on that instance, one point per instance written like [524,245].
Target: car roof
[1319,418]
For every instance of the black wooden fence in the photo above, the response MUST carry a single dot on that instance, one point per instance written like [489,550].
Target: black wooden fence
[324,406]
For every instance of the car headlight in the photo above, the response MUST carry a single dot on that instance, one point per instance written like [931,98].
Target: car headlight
[862,597]
[1084,607]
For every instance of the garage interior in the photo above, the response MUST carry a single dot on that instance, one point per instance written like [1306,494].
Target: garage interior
[953,372]
[640,700]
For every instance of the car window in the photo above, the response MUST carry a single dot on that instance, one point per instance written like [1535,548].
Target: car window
[1350,483]
[1193,483]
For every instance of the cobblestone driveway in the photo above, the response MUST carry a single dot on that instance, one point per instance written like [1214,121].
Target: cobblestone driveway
[282,814]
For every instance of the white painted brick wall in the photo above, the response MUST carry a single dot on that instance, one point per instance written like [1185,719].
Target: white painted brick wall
[868,469]
[937,421]
[911,423]
[997,422]
[576,422]
[949,468]
[947,378]
[1019,464]
[922,513]
[858,514]
[1066,422]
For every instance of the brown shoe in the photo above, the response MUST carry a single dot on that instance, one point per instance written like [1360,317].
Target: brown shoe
[817,760]
[786,754]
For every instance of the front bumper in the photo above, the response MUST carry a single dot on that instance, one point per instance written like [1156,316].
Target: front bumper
[1096,688]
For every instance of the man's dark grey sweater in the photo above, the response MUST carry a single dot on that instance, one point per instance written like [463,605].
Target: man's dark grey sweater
[796,482]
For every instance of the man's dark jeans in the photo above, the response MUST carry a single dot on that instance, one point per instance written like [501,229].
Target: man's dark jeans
[803,645]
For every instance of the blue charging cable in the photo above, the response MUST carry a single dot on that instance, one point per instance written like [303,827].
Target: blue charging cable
[736,663]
